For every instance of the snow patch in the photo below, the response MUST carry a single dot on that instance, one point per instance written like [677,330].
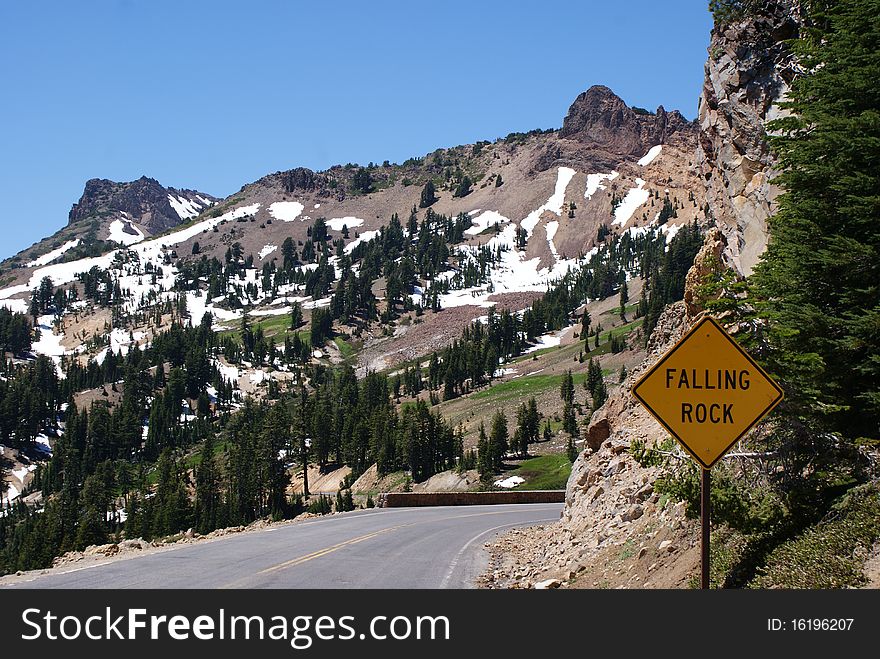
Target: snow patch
[510,482]
[16,306]
[594,182]
[43,444]
[485,220]
[48,257]
[545,341]
[49,343]
[634,198]
[120,235]
[648,158]
[268,249]
[184,207]
[670,230]
[228,373]
[287,211]
[552,228]
[337,223]
[554,203]
[365,237]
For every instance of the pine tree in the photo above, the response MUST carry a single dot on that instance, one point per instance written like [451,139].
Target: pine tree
[171,506]
[464,187]
[485,460]
[818,277]
[567,389]
[296,315]
[428,196]
[207,477]
[498,440]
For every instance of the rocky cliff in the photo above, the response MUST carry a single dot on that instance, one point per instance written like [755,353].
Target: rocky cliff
[600,118]
[748,71]
[144,201]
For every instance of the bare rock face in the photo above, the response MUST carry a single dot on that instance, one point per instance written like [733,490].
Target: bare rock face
[599,429]
[607,476]
[600,118]
[145,201]
[709,260]
[748,72]
[301,178]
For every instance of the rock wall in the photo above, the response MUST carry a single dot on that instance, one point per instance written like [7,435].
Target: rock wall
[748,71]
[144,200]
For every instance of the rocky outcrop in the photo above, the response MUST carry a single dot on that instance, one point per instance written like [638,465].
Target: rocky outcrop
[303,179]
[144,201]
[599,118]
[748,71]
[709,260]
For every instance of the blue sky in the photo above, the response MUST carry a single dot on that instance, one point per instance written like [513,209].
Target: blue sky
[213,95]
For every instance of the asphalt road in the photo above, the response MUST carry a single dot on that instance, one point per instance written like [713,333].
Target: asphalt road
[379,548]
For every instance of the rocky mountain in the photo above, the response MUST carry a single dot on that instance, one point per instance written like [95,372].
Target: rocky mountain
[144,202]
[601,120]
[610,169]
[109,214]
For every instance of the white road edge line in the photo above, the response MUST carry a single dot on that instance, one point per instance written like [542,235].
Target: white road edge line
[454,563]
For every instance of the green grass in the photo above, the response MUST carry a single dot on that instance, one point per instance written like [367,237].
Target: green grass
[605,338]
[347,349]
[534,353]
[527,385]
[630,308]
[193,460]
[278,326]
[547,472]
[190,461]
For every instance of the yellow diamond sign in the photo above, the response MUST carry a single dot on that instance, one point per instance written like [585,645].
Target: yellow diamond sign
[707,392]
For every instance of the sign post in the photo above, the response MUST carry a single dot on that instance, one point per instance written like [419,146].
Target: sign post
[707,392]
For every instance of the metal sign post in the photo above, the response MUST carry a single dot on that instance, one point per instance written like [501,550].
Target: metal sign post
[705,512]
[708,393]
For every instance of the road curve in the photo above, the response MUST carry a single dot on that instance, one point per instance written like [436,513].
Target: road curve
[380,548]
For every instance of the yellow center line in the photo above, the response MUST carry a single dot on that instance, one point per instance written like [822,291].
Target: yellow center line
[327,550]
[353,541]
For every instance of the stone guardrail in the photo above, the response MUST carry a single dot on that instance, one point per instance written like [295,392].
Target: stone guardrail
[407,499]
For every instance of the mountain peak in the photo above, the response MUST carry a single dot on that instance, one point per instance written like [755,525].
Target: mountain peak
[145,201]
[600,118]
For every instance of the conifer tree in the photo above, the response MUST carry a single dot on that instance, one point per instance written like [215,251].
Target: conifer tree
[817,280]
[428,196]
[498,440]
[207,477]
[585,326]
[567,388]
